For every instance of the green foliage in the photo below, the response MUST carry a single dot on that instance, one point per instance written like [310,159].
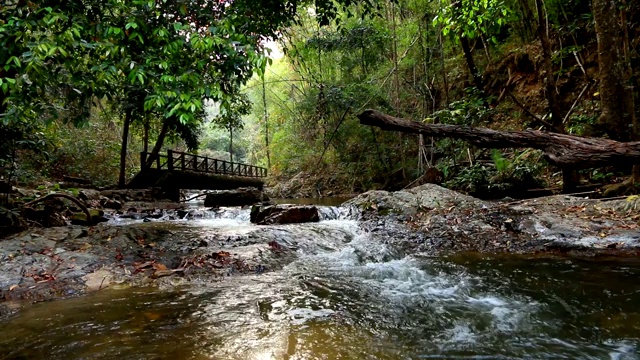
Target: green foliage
[506,177]
[470,110]
[231,110]
[584,118]
[502,164]
[473,19]
[95,63]
[473,179]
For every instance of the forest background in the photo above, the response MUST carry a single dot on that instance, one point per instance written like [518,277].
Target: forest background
[88,85]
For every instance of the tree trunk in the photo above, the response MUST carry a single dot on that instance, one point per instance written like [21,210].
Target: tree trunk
[563,150]
[230,143]
[123,149]
[145,138]
[549,81]
[471,64]
[569,176]
[616,101]
[466,50]
[266,122]
[445,83]
[159,142]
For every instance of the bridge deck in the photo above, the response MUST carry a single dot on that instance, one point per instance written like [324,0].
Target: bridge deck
[175,160]
[177,170]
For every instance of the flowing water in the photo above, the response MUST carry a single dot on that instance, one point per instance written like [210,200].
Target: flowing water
[346,295]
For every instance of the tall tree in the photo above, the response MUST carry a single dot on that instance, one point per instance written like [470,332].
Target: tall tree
[550,89]
[120,48]
[616,95]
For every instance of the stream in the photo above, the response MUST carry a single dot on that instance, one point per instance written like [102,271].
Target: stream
[344,294]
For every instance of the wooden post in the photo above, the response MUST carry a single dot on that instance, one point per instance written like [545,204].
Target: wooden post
[158,161]
[170,160]
[215,166]
[206,164]
[182,164]
[195,162]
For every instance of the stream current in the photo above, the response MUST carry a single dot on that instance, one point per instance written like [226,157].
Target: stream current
[346,295]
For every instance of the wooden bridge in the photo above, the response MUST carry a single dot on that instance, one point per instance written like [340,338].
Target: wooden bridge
[178,170]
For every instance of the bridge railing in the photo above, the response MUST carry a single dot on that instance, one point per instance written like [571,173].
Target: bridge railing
[176,160]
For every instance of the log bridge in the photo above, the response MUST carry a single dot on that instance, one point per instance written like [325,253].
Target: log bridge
[178,170]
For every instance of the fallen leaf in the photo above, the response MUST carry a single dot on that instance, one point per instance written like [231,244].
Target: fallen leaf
[223,254]
[159,267]
[13,287]
[152,316]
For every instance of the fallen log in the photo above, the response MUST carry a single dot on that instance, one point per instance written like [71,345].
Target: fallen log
[563,150]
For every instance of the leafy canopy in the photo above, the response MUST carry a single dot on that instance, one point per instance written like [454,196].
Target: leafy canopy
[160,56]
[472,18]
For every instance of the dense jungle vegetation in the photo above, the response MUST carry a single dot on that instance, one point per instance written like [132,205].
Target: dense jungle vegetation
[86,85]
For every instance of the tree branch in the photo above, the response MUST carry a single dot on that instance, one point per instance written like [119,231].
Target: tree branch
[65,196]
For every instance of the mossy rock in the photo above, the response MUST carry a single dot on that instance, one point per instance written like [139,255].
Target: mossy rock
[80,218]
[627,187]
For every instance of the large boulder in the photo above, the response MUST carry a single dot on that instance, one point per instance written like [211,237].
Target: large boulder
[284,214]
[415,200]
[238,197]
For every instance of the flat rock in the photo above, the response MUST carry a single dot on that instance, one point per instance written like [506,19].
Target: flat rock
[98,280]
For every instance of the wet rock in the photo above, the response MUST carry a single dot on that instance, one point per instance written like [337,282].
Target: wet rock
[97,216]
[54,234]
[450,222]
[89,194]
[79,219]
[98,280]
[111,204]
[284,214]
[77,233]
[409,202]
[238,197]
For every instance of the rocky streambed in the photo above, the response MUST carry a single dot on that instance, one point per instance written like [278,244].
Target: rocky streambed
[170,248]
[444,222]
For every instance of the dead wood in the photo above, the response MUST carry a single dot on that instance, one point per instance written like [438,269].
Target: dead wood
[563,150]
